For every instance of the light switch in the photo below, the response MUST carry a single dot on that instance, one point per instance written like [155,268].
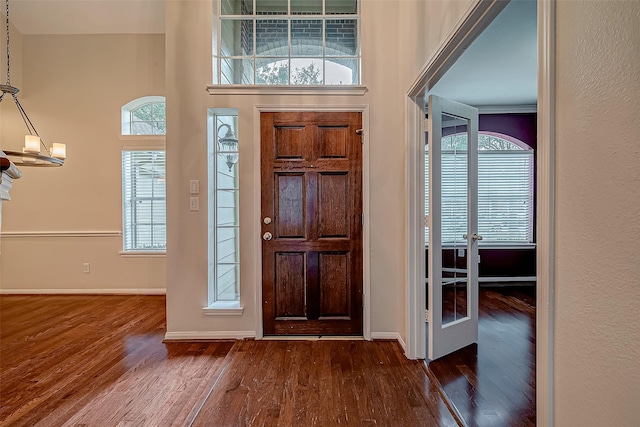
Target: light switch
[194,203]
[194,186]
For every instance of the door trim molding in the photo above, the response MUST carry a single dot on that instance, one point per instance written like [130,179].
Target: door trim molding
[476,18]
[257,185]
[545,222]
[473,22]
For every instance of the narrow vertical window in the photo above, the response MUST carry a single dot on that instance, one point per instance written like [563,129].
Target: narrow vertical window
[224,225]
[144,201]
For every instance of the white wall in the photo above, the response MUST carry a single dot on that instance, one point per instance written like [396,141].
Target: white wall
[72,87]
[597,334]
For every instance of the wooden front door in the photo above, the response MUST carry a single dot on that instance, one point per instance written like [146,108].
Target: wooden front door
[311,223]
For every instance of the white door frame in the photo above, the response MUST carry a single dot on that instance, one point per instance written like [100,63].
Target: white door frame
[257,200]
[475,20]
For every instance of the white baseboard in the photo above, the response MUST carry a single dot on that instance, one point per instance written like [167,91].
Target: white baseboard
[208,335]
[389,336]
[117,291]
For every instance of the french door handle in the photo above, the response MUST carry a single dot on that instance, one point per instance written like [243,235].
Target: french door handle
[267,236]
[474,236]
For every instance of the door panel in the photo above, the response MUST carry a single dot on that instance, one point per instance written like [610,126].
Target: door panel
[290,191]
[333,142]
[289,282]
[312,194]
[453,240]
[333,201]
[335,286]
[288,142]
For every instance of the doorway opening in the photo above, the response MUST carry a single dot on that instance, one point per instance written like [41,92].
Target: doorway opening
[536,280]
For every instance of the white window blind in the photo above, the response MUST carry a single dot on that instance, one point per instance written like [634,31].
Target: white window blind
[144,200]
[505,194]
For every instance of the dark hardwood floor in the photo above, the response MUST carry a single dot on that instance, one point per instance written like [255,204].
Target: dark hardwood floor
[323,383]
[100,361]
[494,383]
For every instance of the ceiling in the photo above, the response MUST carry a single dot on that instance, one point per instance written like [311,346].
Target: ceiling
[500,67]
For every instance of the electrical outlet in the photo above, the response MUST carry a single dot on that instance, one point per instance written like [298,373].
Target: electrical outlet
[86,267]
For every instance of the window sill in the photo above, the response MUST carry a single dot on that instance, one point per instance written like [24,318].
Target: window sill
[143,254]
[350,90]
[223,308]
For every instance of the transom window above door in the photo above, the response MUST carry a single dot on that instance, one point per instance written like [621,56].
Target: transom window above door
[287,42]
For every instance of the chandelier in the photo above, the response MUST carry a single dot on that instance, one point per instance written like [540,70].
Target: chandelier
[31,154]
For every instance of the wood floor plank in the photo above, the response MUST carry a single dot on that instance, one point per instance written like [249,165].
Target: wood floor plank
[323,383]
[98,361]
[493,383]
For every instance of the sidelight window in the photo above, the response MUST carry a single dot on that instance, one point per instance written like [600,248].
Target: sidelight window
[224,221]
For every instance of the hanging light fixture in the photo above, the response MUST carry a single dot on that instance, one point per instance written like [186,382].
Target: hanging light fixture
[228,146]
[31,154]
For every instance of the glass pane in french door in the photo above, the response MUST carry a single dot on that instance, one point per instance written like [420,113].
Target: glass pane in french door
[454,205]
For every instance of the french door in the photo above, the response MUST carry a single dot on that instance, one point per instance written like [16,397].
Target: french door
[452,226]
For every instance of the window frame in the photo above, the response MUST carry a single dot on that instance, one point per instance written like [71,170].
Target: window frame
[126,226]
[216,305]
[126,114]
[218,56]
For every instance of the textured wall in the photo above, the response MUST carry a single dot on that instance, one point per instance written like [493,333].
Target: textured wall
[597,337]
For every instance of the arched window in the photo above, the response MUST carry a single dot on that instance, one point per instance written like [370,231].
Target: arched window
[144,116]
[143,176]
[505,188]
